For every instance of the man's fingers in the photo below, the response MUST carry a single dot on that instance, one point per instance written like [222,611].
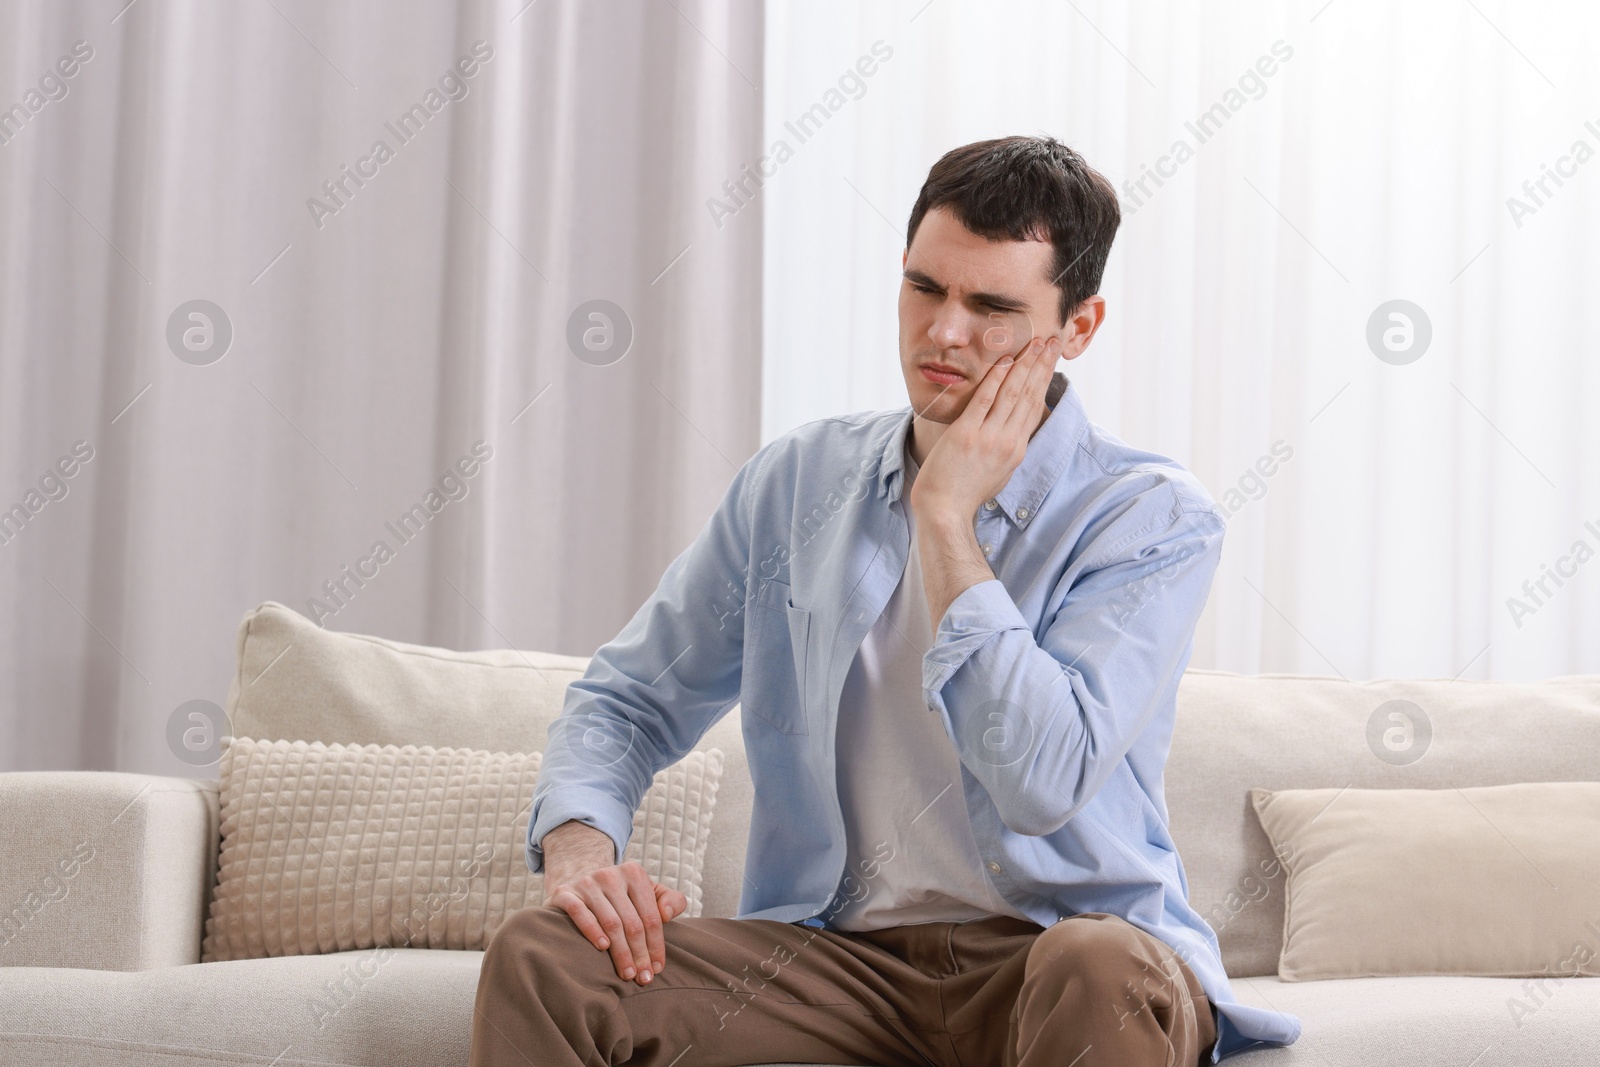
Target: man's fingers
[621,911]
[1024,413]
[581,917]
[641,891]
[1011,329]
[622,955]
[672,902]
[983,397]
[1009,390]
[619,893]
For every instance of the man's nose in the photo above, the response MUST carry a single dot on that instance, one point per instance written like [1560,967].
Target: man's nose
[953,326]
[989,336]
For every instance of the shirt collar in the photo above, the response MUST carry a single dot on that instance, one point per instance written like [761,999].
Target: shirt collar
[1048,452]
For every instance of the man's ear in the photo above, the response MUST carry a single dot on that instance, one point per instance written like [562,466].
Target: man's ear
[1080,327]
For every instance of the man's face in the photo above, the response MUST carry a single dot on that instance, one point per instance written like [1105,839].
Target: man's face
[965,302]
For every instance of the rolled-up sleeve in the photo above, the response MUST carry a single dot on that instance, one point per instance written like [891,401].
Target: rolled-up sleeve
[1042,724]
[652,692]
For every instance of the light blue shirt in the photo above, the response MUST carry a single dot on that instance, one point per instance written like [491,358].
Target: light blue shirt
[1055,681]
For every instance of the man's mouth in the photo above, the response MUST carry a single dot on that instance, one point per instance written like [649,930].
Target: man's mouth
[937,372]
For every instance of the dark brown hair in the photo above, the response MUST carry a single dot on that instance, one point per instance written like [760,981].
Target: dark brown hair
[1029,188]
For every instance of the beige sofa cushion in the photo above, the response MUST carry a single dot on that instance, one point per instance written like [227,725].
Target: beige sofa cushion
[298,681]
[1487,881]
[413,1008]
[1237,732]
[328,848]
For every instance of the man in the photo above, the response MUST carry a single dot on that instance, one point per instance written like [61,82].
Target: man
[956,632]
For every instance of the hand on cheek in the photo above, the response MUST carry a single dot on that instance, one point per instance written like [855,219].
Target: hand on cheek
[976,455]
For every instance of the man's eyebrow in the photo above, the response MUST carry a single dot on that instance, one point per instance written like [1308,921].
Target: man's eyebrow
[1000,300]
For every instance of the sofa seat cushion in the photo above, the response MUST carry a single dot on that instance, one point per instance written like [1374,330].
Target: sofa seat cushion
[367,1008]
[414,1006]
[1429,1022]
[372,1006]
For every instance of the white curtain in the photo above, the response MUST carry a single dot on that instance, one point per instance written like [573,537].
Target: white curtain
[1432,517]
[169,151]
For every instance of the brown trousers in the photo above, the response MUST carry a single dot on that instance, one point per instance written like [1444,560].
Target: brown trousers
[1091,990]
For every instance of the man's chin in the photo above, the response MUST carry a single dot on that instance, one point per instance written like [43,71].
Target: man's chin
[938,404]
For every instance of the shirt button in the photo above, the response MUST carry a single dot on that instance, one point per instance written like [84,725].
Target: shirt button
[1022,513]
[993,866]
[987,549]
[990,505]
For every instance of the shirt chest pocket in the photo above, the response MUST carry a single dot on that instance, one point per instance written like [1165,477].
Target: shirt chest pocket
[777,650]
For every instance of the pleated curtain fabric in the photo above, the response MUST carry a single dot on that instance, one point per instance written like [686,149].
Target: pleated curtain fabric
[304,298]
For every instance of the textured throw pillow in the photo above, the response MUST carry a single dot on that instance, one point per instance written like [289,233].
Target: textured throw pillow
[327,848]
[298,681]
[1485,881]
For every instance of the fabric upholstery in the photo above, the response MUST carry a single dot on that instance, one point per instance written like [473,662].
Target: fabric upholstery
[298,681]
[1237,732]
[413,1008]
[1233,733]
[104,870]
[327,848]
[1494,881]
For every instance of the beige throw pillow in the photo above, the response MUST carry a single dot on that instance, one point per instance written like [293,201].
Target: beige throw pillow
[327,848]
[1487,881]
[298,681]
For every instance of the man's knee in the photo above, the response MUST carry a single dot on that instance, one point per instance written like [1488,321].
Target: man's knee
[1101,952]
[535,926]
[1100,972]
[538,988]
[537,941]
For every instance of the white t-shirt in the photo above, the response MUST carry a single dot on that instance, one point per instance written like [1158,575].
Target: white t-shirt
[911,856]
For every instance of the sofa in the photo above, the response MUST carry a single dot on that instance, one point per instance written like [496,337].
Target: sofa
[106,877]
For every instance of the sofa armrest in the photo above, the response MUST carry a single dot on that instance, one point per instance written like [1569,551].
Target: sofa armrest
[103,870]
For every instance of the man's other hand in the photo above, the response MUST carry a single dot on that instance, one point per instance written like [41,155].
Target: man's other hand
[615,905]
